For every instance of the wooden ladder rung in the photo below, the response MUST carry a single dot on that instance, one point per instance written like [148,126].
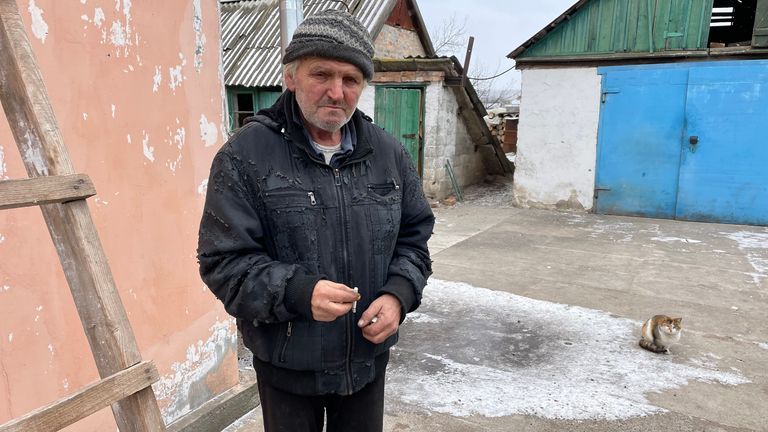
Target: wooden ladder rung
[88,400]
[45,190]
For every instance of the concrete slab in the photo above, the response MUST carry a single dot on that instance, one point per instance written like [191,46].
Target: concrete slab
[532,318]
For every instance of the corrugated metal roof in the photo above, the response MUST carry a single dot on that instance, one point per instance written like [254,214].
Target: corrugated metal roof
[251,35]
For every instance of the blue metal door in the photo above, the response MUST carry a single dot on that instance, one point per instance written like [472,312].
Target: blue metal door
[685,141]
[724,169]
[641,121]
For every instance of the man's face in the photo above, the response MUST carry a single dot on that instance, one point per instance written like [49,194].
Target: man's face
[326,90]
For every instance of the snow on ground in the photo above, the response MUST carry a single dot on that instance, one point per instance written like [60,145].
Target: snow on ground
[471,350]
[755,245]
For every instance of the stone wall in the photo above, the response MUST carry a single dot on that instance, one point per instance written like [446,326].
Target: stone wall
[393,42]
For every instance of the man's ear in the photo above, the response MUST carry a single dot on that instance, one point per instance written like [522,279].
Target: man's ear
[290,83]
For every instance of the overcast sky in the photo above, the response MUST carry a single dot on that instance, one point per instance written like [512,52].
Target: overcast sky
[499,26]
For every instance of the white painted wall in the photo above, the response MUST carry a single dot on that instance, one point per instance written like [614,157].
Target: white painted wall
[367,101]
[439,118]
[557,138]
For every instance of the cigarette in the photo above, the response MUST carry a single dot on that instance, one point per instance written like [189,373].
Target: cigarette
[354,304]
[373,320]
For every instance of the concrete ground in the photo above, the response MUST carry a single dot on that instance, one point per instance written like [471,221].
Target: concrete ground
[531,320]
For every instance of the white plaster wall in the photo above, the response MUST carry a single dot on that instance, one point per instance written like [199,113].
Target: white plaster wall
[367,101]
[440,118]
[557,138]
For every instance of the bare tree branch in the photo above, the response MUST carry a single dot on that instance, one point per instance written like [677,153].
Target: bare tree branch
[449,37]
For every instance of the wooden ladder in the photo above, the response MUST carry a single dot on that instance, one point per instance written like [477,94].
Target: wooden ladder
[61,194]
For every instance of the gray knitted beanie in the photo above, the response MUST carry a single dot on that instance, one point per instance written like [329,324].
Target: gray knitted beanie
[333,34]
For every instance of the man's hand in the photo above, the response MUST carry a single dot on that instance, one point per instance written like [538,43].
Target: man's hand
[331,300]
[386,311]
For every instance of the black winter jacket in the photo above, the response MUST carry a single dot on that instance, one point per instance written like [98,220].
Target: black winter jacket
[277,219]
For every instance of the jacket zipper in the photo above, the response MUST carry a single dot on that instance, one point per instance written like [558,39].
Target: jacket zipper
[345,249]
[287,338]
[385,186]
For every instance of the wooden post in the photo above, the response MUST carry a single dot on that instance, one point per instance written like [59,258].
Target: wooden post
[466,61]
[34,127]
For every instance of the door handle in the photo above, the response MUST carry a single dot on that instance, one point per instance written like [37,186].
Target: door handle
[409,136]
[693,140]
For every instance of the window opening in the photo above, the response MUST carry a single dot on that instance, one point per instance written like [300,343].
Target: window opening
[244,107]
[732,23]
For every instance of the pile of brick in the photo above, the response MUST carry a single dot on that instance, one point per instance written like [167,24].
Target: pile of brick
[503,123]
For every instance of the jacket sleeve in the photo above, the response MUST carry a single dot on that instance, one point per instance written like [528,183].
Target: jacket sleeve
[233,259]
[411,265]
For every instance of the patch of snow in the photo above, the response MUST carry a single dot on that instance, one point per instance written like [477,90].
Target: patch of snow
[674,239]
[535,358]
[755,244]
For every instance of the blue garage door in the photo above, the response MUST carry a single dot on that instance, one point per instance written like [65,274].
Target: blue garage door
[685,141]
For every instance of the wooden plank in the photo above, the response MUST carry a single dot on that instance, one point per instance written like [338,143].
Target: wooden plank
[45,190]
[87,401]
[34,127]
[223,410]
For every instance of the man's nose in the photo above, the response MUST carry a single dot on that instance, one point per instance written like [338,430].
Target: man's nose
[335,89]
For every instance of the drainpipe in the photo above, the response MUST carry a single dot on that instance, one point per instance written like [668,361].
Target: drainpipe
[291,14]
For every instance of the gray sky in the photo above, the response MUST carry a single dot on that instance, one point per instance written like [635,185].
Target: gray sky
[499,26]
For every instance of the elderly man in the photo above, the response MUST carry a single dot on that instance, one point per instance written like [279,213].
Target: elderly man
[314,236]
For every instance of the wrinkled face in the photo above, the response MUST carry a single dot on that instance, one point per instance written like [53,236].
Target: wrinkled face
[327,91]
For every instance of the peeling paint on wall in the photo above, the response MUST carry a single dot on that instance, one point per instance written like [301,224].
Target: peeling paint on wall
[197,23]
[176,77]
[120,32]
[98,17]
[175,391]
[149,151]
[208,131]
[203,188]
[157,79]
[179,139]
[3,166]
[39,26]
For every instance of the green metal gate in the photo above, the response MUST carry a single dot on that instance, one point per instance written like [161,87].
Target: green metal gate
[399,112]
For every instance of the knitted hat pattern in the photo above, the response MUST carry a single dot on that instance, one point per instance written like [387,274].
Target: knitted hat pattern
[333,34]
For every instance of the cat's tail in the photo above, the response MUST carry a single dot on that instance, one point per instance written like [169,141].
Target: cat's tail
[650,346]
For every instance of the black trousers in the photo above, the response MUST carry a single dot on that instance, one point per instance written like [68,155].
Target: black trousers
[359,412]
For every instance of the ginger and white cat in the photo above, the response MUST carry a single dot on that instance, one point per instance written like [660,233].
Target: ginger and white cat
[660,332]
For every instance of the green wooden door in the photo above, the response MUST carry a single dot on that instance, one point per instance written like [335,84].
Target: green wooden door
[398,111]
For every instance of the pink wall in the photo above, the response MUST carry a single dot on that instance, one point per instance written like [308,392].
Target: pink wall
[137,90]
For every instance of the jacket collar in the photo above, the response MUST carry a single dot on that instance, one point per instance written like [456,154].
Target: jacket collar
[280,117]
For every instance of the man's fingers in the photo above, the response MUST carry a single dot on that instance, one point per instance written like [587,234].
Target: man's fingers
[340,293]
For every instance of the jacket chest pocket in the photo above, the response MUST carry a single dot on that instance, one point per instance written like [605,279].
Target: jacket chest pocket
[292,219]
[384,215]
